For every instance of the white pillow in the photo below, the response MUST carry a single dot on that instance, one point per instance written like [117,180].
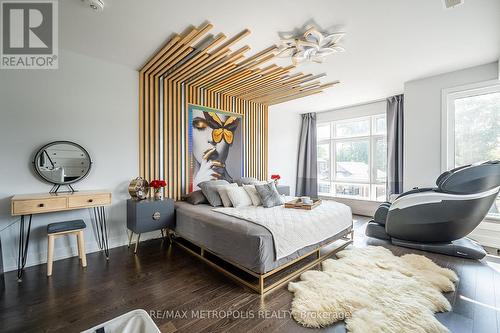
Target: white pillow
[252,193]
[239,197]
[222,190]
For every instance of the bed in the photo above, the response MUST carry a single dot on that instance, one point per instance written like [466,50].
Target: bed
[212,235]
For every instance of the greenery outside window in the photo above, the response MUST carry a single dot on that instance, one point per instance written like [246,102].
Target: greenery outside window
[352,158]
[471,128]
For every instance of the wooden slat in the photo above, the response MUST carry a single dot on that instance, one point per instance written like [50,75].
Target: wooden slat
[286,91]
[202,66]
[292,97]
[165,49]
[248,63]
[290,81]
[268,77]
[151,127]
[171,58]
[295,91]
[156,139]
[141,125]
[233,40]
[256,74]
[165,110]
[222,83]
[229,61]
[196,59]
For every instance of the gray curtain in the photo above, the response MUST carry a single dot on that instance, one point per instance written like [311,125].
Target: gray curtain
[307,167]
[395,127]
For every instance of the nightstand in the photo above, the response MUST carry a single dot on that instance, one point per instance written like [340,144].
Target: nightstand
[283,189]
[149,215]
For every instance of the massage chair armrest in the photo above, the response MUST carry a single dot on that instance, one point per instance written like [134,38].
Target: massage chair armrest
[417,190]
[380,216]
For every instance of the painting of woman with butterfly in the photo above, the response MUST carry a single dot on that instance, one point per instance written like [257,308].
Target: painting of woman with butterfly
[215,145]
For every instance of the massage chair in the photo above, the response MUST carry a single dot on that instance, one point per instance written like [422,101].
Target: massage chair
[438,219]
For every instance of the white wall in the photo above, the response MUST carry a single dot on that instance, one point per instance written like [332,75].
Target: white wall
[355,111]
[422,152]
[284,134]
[88,101]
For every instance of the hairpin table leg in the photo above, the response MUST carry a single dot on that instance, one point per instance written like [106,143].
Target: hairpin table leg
[24,237]
[101,229]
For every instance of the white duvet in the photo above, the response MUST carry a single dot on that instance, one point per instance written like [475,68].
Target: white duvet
[294,229]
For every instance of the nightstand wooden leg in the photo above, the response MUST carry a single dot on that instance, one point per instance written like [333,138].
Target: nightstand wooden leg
[130,238]
[137,243]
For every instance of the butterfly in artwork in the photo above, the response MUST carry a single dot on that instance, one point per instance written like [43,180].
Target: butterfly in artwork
[222,130]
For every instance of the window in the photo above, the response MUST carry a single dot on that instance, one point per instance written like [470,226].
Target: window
[471,127]
[352,158]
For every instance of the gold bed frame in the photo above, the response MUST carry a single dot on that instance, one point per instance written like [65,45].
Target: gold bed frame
[347,235]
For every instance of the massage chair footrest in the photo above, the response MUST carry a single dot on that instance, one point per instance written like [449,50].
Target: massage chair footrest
[463,247]
[376,230]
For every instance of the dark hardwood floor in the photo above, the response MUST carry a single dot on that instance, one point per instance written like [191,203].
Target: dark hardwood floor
[168,282]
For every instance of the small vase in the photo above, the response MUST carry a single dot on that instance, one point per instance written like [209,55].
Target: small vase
[157,194]
[276,182]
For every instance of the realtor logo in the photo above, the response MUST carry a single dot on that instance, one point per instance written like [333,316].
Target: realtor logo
[29,38]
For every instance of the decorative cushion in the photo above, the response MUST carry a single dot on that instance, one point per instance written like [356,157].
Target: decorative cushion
[239,197]
[269,195]
[222,189]
[65,226]
[252,193]
[246,181]
[196,198]
[209,189]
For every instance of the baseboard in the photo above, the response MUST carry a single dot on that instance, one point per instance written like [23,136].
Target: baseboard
[62,253]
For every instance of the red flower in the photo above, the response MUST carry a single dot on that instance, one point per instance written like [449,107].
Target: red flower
[158,183]
[274,177]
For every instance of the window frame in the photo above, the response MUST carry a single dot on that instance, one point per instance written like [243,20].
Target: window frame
[448,97]
[372,138]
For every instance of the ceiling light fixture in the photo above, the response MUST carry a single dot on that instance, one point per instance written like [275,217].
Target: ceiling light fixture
[312,45]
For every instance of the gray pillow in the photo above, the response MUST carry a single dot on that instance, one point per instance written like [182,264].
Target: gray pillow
[196,198]
[246,181]
[269,195]
[209,189]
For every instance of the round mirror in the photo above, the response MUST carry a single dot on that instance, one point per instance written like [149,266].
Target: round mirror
[62,162]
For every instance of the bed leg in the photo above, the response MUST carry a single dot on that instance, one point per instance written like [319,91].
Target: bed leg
[352,235]
[261,285]
[318,253]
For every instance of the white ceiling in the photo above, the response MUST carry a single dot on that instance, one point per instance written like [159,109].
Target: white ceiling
[388,42]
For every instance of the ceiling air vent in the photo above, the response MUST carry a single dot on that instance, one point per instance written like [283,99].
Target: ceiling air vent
[452,3]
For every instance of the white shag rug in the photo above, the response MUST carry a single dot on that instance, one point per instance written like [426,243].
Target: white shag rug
[374,291]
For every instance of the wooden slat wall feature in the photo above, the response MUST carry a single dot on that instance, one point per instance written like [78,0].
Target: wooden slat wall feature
[288,81]
[256,74]
[195,67]
[248,63]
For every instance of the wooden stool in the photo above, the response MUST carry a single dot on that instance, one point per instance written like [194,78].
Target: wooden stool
[55,230]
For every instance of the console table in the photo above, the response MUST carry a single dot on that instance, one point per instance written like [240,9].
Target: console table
[26,205]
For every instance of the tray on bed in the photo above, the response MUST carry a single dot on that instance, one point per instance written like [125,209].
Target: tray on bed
[299,205]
